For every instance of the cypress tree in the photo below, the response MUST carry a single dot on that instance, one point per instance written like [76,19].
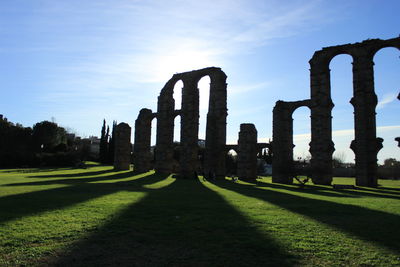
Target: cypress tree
[111,144]
[103,144]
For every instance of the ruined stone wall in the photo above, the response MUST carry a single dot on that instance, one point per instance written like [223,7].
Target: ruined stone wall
[165,128]
[142,156]
[189,127]
[365,145]
[282,144]
[247,152]
[214,161]
[122,156]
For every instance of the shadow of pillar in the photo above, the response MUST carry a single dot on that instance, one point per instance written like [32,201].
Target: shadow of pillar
[182,224]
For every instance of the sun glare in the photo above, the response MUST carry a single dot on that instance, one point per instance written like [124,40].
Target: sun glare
[181,61]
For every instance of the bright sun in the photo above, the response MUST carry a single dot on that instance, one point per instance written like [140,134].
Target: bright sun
[181,61]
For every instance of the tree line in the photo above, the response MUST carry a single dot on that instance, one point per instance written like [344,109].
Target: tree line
[44,144]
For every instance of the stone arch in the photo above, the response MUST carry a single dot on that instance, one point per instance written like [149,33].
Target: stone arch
[365,145]
[282,140]
[166,114]
[231,159]
[215,129]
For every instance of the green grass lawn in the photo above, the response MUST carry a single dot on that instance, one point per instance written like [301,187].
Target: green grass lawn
[95,217]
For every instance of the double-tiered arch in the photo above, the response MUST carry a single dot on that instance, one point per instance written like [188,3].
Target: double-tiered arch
[365,145]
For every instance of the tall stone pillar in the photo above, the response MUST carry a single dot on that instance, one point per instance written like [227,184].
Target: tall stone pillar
[141,149]
[282,144]
[247,152]
[123,148]
[365,145]
[189,128]
[165,129]
[321,146]
[214,162]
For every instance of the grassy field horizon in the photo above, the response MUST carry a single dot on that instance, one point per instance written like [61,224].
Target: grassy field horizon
[99,217]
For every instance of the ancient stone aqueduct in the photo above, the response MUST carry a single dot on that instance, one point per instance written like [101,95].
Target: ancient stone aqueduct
[366,144]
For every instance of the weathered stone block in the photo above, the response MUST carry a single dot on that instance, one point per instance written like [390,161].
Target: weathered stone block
[123,148]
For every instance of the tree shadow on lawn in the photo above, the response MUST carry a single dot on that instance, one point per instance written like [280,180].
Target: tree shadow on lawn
[330,192]
[182,224]
[20,205]
[379,227]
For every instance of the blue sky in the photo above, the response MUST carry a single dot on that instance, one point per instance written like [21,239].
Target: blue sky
[82,61]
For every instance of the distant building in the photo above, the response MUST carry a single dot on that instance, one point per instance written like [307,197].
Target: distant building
[94,146]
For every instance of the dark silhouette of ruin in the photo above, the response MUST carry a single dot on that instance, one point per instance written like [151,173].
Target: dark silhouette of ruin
[366,144]
[214,158]
[282,145]
[247,152]
[122,155]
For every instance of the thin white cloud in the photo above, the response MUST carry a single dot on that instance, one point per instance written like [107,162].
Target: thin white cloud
[290,22]
[149,41]
[386,99]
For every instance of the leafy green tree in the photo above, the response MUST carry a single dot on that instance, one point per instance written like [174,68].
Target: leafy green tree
[391,162]
[47,135]
[15,144]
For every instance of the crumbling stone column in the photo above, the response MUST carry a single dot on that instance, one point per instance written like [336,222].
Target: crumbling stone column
[141,150]
[165,129]
[365,145]
[189,128]
[247,152]
[214,161]
[321,146]
[122,156]
[282,144]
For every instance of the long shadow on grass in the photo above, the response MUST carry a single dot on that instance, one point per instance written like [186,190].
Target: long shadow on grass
[20,205]
[182,224]
[69,175]
[390,190]
[379,227]
[329,192]
[35,170]
[69,181]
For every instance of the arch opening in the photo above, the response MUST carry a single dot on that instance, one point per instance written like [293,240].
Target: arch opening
[343,157]
[177,94]
[301,134]
[231,162]
[153,141]
[386,70]
[204,99]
